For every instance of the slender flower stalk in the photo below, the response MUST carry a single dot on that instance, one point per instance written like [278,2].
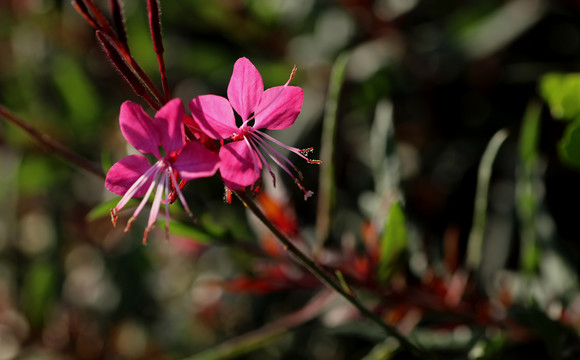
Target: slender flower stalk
[51,145]
[330,281]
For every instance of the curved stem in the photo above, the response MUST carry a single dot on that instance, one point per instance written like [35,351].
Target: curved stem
[329,280]
[51,145]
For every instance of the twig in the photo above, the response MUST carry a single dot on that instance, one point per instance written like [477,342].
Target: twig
[268,333]
[51,145]
[328,280]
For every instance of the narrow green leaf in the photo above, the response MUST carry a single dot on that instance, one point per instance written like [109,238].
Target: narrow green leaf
[393,241]
[187,231]
[104,209]
[475,241]
[38,290]
[527,198]
[327,189]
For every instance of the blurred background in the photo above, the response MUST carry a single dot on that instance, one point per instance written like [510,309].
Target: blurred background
[426,85]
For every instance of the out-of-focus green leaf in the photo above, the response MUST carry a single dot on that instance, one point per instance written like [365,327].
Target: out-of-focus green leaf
[529,134]
[180,229]
[77,91]
[475,242]
[104,209]
[393,241]
[527,199]
[569,146]
[38,290]
[37,173]
[562,93]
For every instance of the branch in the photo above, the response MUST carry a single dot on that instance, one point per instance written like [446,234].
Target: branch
[51,145]
[328,280]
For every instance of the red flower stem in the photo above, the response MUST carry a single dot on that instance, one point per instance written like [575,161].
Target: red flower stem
[51,145]
[155,27]
[100,23]
[329,280]
[100,19]
[163,72]
[81,8]
[119,21]
[113,52]
[139,71]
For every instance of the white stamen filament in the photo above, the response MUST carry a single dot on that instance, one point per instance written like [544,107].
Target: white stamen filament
[252,140]
[166,202]
[256,167]
[136,186]
[299,152]
[143,201]
[179,193]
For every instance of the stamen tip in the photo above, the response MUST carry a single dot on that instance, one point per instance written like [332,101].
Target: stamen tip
[146,235]
[308,194]
[129,223]
[114,216]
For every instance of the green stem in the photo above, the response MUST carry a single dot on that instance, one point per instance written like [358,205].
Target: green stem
[475,241]
[328,280]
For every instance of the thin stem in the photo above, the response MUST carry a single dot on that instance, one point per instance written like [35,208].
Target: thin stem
[475,241]
[155,26]
[52,145]
[328,280]
[267,334]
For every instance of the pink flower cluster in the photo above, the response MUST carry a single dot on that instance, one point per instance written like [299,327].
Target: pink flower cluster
[240,159]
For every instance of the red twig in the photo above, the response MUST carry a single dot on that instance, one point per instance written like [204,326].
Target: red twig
[51,145]
[119,21]
[118,61]
[155,26]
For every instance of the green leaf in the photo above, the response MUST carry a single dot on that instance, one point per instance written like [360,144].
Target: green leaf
[569,146]
[38,290]
[104,209]
[187,231]
[562,93]
[393,241]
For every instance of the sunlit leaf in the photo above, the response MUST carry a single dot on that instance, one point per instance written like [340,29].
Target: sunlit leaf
[187,231]
[104,209]
[562,92]
[569,146]
[38,290]
[393,241]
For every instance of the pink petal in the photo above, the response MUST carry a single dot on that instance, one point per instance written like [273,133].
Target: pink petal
[214,115]
[138,128]
[195,161]
[125,172]
[245,88]
[169,122]
[237,165]
[279,108]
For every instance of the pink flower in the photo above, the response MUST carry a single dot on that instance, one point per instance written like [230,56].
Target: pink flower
[164,138]
[242,158]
